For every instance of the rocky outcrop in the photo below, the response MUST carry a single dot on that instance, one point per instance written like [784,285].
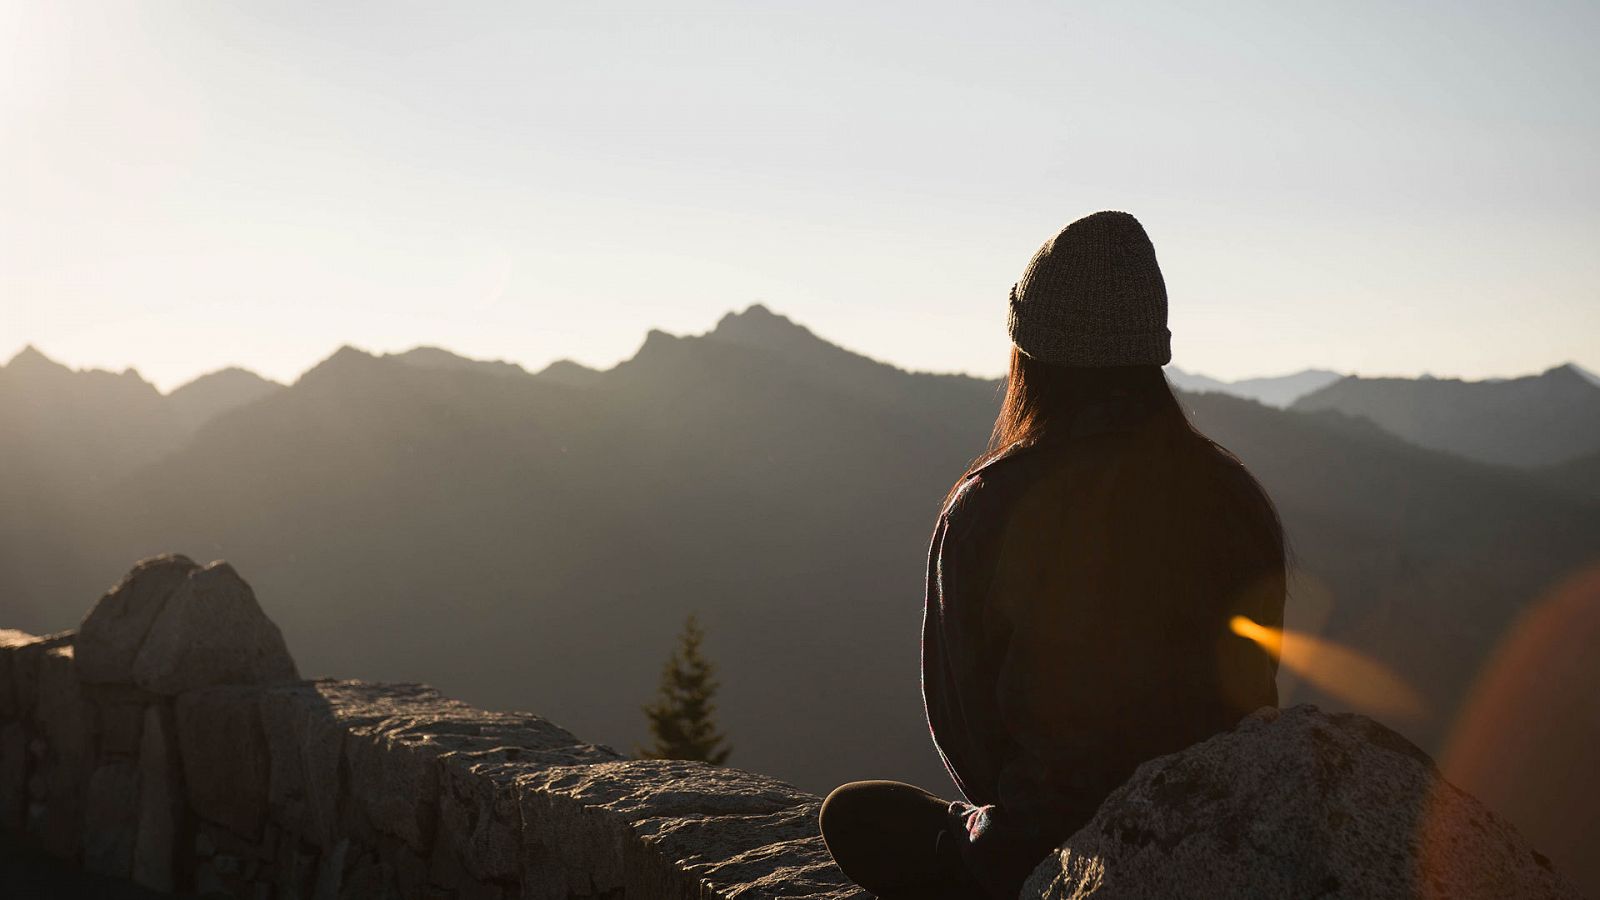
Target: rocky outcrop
[1297,803]
[169,741]
[172,626]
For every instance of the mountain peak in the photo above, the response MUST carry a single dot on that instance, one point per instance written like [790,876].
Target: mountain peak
[30,359]
[345,359]
[756,320]
[427,357]
[569,372]
[214,393]
[1573,371]
[229,375]
[348,353]
[1583,373]
[655,337]
[759,328]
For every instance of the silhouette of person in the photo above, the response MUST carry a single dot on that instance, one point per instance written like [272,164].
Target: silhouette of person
[1082,576]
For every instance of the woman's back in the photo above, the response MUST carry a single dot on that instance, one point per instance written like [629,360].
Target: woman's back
[1118,573]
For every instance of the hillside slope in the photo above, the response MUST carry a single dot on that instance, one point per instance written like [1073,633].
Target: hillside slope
[1539,420]
[529,542]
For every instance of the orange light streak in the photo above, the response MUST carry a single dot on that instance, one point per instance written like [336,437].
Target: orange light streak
[1339,671]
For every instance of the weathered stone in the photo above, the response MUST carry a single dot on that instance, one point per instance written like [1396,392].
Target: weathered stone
[111,819]
[224,754]
[13,776]
[63,719]
[118,718]
[25,656]
[393,759]
[369,879]
[211,631]
[224,842]
[115,627]
[294,870]
[479,814]
[305,727]
[10,640]
[778,850]
[160,804]
[395,783]
[656,828]
[366,790]
[409,871]
[330,872]
[572,849]
[209,879]
[62,714]
[1295,804]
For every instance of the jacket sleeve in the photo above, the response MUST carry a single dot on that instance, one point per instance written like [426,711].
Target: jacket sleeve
[1048,780]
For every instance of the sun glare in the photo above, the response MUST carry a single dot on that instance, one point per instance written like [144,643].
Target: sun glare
[1338,671]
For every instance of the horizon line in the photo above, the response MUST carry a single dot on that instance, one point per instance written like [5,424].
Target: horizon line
[33,346]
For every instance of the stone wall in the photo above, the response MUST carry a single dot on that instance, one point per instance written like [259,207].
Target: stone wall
[169,740]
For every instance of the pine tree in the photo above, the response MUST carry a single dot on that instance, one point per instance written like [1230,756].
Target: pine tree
[680,718]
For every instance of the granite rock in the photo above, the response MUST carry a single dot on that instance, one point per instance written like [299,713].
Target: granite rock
[10,641]
[115,628]
[63,719]
[211,631]
[13,776]
[111,819]
[1297,803]
[670,828]
[23,653]
[160,804]
[224,755]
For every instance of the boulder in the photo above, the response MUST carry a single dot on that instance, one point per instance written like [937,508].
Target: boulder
[10,641]
[160,803]
[1297,803]
[210,631]
[672,829]
[116,626]
[63,719]
[306,725]
[19,675]
[394,760]
[224,755]
[111,819]
[63,716]
[13,775]
[118,718]
[480,821]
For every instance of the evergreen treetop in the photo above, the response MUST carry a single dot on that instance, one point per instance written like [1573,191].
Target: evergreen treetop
[681,717]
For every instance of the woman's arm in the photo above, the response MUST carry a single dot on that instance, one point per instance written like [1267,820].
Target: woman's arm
[1001,552]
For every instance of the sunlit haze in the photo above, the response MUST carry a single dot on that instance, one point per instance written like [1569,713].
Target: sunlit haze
[1361,187]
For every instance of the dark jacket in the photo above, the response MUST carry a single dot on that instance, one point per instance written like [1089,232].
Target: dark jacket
[1077,624]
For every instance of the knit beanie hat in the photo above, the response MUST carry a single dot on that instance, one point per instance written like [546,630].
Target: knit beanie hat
[1093,296]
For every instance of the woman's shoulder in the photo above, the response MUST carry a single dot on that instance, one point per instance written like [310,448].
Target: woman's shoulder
[990,487]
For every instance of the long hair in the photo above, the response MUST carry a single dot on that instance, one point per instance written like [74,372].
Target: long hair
[1166,459]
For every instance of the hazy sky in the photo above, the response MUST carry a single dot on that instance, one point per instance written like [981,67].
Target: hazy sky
[1372,187]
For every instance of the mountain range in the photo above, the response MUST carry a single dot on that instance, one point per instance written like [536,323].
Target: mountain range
[1276,390]
[534,540]
[1539,420]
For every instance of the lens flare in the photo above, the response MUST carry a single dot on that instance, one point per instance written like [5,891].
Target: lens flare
[1526,737]
[1336,670]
